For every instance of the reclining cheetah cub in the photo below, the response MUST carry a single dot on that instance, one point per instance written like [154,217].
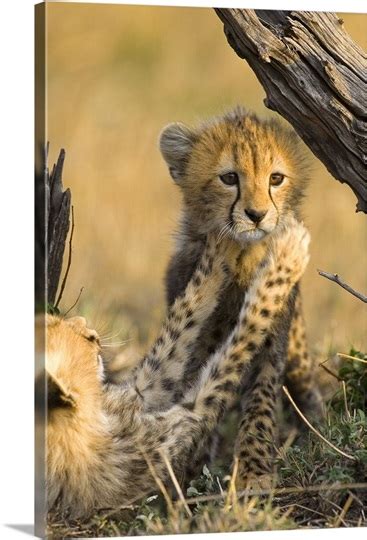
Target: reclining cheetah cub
[102,441]
[241,178]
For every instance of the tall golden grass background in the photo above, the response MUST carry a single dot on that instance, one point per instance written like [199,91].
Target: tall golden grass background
[115,76]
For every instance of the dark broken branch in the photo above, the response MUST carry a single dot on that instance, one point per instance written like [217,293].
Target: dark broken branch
[69,260]
[58,220]
[52,221]
[315,76]
[339,281]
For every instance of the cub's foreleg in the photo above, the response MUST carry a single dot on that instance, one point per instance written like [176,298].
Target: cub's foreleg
[267,298]
[179,432]
[158,379]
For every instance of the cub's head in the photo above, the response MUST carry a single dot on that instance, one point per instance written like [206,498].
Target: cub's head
[75,434]
[74,366]
[240,176]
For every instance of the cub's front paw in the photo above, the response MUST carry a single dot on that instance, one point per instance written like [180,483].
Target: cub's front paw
[290,250]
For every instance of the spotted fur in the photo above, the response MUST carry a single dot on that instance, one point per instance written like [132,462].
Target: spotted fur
[199,160]
[103,446]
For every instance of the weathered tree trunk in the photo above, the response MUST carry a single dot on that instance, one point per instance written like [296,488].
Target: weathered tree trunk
[315,76]
[52,221]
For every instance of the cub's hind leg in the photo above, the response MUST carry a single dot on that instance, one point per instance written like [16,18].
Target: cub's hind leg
[300,374]
[282,360]
[258,431]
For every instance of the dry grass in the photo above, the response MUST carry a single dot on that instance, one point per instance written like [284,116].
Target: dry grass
[318,484]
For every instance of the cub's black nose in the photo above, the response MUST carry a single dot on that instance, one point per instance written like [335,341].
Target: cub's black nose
[256,215]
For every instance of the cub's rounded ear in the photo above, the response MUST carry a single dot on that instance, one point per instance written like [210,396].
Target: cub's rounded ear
[175,143]
[57,396]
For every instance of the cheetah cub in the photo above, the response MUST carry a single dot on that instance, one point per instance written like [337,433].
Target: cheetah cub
[242,179]
[105,442]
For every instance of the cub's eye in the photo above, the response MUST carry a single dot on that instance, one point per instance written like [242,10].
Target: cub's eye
[276,179]
[229,179]
[93,338]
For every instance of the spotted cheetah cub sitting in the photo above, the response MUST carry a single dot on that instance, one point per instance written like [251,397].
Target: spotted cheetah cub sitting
[242,178]
[105,440]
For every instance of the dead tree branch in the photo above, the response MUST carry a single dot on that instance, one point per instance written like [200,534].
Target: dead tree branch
[58,221]
[63,283]
[339,281]
[52,221]
[315,76]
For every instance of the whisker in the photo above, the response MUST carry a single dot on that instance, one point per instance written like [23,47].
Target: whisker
[116,344]
[220,233]
[224,231]
[109,336]
[233,230]
[101,326]
[121,341]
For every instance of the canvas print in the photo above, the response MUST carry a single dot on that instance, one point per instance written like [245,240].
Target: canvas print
[200,233]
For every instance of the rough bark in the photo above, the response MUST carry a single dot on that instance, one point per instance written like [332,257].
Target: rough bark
[52,222]
[315,76]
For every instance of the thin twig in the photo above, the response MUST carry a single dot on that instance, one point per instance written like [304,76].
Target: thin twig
[220,486]
[329,371]
[69,259]
[175,483]
[341,283]
[349,357]
[345,400]
[296,505]
[288,442]
[341,516]
[285,390]
[276,492]
[75,303]
[113,511]
[158,481]
[232,493]
[357,499]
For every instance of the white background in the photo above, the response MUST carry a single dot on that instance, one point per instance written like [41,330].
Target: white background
[16,266]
